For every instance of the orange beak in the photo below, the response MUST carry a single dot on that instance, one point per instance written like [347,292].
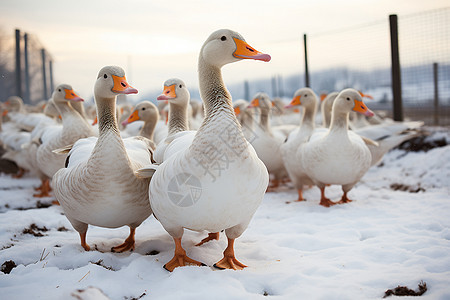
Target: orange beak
[294,102]
[245,51]
[133,117]
[237,110]
[168,93]
[365,95]
[361,108]
[254,103]
[121,86]
[4,113]
[72,96]
[95,121]
[322,97]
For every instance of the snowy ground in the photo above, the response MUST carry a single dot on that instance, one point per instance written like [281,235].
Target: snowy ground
[396,232]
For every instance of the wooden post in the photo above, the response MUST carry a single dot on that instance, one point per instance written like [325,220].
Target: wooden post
[44,75]
[18,65]
[396,72]
[436,93]
[306,62]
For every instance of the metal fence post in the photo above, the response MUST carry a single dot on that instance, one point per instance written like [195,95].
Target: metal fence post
[18,65]
[246,91]
[27,97]
[436,93]
[306,62]
[50,70]
[44,76]
[396,72]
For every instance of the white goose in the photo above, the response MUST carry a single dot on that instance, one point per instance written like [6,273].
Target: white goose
[214,166]
[147,112]
[98,185]
[178,135]
[338,156]
[267,140]
[245,118]
[73,127]
[291,149]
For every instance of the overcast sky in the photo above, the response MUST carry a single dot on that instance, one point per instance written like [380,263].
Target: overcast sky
[157,40]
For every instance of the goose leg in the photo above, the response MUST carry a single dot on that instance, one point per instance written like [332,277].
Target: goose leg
[45,189]
[211,236]
[127,245]
[83,241]
[324,201]
[19,174]
[229,261]
[344,199]
[300,195]
[180,258]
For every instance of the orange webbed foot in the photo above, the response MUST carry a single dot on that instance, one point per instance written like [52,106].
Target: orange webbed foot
[180,259]
[344,199]
[128,245]
[211,236]
[229,260]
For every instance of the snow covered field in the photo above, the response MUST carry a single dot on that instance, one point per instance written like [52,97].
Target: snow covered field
[396,232]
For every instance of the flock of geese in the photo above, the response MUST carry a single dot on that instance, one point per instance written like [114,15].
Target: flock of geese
[200,169]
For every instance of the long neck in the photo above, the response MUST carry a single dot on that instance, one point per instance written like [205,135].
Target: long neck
[213,91]
[247,119]
[178,119]
[148,129]
[339,121]
[264,120]
[106,114]
[68,114]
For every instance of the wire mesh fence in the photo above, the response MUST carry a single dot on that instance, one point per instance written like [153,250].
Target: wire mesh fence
[31,90]
[359,57]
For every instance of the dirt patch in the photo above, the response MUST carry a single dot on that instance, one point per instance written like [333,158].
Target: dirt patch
[406,188]
[7,266]
[421,143]
[35,230]
[405,291]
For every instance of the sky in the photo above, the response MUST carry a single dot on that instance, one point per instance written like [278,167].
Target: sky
[157,40]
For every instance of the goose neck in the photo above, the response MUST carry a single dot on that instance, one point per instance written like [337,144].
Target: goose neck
[178,119]
[106,114]
[264,120]
[339,122]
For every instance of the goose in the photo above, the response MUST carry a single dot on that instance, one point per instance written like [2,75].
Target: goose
[98,185]
[267,141]
[147,112]
[245,118]
[337,155]
[291,149]
[177,95]
[213,167]
[325,108]
[73,128]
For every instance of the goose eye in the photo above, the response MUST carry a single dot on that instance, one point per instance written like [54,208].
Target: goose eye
[223,38]
[306,95]
[59,90]
[105,76]
[348,98]
[143,108]
[181,86]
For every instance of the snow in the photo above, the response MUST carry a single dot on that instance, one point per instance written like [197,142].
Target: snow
[396,232]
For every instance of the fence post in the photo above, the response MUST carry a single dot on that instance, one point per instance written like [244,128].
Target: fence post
[50,70]
[44,76]
[27,70]
[18,66]
[436,93]
[395,69]
[274,87]
[306,62]
[246,91]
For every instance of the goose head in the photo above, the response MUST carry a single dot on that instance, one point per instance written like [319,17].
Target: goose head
[64,93]
[240,107]
[14,104]
[175,93]
[303,97]
[226,46]
[111,81]
[350,100]
[262,101]
[144,111]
